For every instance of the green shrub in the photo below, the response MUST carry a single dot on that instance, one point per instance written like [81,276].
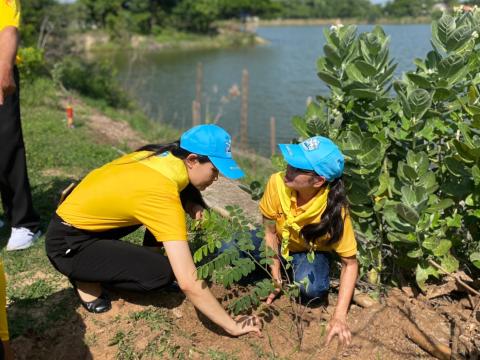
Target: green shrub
[413,156]
[196,15]
[32,63]
[93,79]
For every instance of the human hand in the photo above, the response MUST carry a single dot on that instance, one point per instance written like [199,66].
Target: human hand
[195,211]
[7,82]
[273,295]
[338,326]
[247,324]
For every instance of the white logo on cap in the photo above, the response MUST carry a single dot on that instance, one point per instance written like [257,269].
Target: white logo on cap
[228,148]
[310,144]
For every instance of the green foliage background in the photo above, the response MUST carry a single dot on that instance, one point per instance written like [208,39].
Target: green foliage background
[413,154]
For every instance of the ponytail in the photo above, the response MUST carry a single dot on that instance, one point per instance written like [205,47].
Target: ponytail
[332,219]
[174,148]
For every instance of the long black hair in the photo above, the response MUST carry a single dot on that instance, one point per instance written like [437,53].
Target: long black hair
[174,148]
[332,219]
[190,193]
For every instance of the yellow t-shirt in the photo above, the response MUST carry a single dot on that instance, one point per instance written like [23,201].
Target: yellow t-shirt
[3,305]
[9,13]
[132,190]
[271,208]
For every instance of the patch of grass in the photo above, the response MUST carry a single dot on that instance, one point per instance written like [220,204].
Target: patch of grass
[156,318]
[220,355]
[27,316]
[38,290]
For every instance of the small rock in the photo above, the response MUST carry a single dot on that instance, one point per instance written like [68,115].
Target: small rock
[177,313]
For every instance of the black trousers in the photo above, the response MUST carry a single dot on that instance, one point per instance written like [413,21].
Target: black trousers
[102,257]
[14,184]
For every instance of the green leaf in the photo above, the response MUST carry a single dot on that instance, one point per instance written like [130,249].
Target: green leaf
[419,101]
[354,74]
[408,196]
[407,214]
[450,65]
[423,272]
[332,55]
[415,254]
[449,263]
[371,152]
[366,69]
[441,94]
[455,167]
[458,38]
[441,205]
[311,257]
[475,259]
[400,237]
[364,93]
[442,248]
[467,153]
[476,174]
[444,28]
[300,126]
[419,80]
[329,79]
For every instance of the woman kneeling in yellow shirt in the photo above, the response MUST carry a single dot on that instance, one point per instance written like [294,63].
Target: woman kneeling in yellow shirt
[149,187]
[306,209]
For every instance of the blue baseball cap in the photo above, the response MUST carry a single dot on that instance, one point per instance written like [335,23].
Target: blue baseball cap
[212,141]
[318,153]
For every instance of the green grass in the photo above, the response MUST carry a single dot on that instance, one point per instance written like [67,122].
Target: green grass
[40,297]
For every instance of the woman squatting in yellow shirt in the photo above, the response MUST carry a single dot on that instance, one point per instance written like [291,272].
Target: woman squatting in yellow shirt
[306,209]
[149,187]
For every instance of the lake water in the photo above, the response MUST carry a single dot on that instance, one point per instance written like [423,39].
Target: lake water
[282,76]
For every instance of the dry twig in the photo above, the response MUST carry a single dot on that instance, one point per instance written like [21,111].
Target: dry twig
[460,281]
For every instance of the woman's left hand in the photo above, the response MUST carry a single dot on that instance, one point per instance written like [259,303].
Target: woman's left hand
[194,210]
[339,327]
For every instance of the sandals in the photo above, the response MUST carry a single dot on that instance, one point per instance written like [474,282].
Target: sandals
[99,305]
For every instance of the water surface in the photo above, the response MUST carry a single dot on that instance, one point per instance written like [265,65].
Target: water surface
[282,76]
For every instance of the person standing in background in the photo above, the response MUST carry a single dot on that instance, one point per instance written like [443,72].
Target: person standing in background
[14,185]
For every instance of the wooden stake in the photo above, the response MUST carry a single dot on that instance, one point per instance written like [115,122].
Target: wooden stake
[196,115]
[198,94]
[244,111]
[273,140]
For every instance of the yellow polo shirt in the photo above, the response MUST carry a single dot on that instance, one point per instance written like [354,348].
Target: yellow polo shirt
[3,305]
[9,13]
[10,16]
[132,190]
[271,208]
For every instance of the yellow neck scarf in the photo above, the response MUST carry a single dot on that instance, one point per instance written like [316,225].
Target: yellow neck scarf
[316,205]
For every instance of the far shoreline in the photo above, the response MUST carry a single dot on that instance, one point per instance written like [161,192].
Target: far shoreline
[346,21]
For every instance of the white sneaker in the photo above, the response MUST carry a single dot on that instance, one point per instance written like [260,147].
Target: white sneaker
[22,238]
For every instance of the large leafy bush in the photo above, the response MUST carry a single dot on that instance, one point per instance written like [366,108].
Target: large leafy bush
[413,154]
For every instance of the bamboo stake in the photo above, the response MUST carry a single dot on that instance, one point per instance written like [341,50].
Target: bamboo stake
[196,116]
[273,140]
[197,103]
[244,111]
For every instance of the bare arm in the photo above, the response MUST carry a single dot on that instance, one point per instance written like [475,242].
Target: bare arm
[199,294]
[8,50]
[271,241]
[338,323]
